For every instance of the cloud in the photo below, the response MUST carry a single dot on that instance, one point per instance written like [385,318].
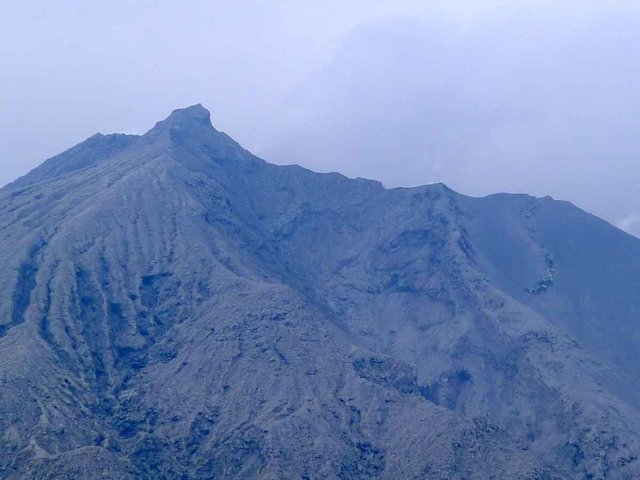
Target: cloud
[534,100]
[629,223]
[490,95]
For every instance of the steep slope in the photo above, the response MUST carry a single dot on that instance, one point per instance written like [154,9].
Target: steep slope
[174,307]
[583,275]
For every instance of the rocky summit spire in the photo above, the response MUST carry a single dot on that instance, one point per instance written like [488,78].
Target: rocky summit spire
[193,115]
[191,119]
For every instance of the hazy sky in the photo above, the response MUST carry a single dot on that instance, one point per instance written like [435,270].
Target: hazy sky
[485,96]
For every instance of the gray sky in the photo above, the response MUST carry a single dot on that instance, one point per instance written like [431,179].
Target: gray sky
[485,96]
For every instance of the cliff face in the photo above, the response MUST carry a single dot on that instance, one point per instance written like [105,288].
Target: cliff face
[174,307]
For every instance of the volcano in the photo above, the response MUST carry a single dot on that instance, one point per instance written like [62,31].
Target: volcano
[172,306]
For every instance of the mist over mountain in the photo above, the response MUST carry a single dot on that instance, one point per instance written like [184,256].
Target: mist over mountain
[172,306]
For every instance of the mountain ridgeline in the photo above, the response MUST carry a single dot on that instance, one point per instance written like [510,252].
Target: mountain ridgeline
[172,306]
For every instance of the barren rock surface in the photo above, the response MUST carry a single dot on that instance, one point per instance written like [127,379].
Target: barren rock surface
[173,307]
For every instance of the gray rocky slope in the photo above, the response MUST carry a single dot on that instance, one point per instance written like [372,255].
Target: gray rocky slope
[174,307]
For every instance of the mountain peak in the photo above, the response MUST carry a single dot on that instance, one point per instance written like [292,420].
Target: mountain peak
[189,118]
[195,113]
